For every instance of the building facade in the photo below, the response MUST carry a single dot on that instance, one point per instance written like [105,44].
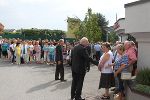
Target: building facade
[72,27]
[137,23]
[119,28]
[1,28]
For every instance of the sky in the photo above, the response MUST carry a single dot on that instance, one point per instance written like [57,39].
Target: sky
[52,14]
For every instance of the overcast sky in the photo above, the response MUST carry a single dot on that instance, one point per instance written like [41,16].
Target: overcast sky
[52,14]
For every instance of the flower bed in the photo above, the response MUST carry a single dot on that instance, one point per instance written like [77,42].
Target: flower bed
[140,87]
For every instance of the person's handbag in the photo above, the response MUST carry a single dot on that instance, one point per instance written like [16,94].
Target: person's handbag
[126,76]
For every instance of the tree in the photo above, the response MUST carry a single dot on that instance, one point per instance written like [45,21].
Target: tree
[89,27]
[92,27]
[102,23]
[113,37]
[93,31]
[81,32]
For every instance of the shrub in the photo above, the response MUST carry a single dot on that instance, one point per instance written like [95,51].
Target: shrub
[142,88]
[143,77]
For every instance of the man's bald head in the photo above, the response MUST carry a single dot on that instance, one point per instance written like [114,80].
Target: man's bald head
[84,41]
[61,41]
[127,44]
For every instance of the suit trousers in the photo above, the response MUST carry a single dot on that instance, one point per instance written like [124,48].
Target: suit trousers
[0,53]
[98,55]
[77,84]
[59,71]
[13,56]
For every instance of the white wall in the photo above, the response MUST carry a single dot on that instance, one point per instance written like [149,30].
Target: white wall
[137,23]
[144,54]
[137,18]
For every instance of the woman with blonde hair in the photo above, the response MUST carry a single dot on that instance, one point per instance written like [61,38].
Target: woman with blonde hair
[18,53]
[120,66]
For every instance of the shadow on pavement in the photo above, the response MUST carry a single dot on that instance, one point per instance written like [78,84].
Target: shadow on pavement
[42,86]
[62,85]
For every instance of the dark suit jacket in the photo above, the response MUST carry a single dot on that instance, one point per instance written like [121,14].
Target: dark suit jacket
[79,57]
[88,48]
[59,54]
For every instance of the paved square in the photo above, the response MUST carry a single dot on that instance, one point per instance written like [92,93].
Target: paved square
[36,82]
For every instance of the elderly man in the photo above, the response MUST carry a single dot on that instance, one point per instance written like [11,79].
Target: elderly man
[59,61]
[79,57]
[130,51]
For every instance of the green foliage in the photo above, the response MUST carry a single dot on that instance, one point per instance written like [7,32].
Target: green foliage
[36,34]
[102,23]
[92,27]
[143,77]
[81,32]
[73,27]
[112,37]
[142,88]
[93,31]
[143,81]
[89,27]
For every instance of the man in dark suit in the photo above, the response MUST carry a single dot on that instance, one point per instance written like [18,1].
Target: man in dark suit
[79,57]
[87,64]
[59,61]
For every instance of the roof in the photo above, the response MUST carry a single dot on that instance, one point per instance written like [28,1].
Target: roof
[119,20]
[116,24]
[136,3]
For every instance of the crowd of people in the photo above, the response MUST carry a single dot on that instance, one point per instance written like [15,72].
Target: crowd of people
[111,63]
[29,51]
[112,60]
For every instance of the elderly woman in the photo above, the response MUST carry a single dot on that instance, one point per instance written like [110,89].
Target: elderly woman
[131,52]
[120,66]
[107,76]
[18,53]
[37,49]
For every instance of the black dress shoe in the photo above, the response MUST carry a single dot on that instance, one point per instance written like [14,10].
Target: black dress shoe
[72,97]
[105,97]
[63,80]
[80,99]
[57,79]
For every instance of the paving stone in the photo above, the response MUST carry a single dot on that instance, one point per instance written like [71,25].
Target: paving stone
[36,82]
